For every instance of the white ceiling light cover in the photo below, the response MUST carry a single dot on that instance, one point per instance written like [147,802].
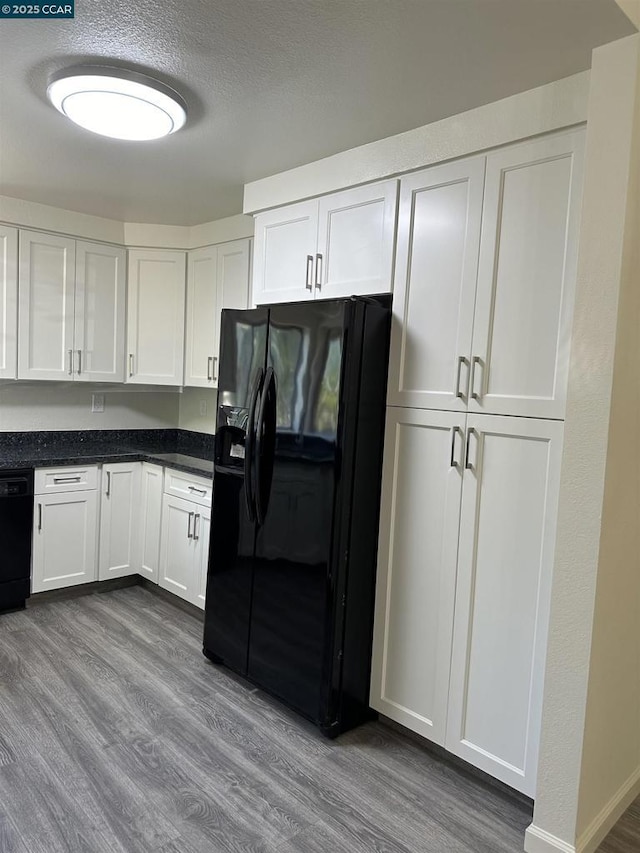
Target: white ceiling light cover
[118,103]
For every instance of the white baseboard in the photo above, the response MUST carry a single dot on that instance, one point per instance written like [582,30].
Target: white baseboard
[609,815]
[538,841]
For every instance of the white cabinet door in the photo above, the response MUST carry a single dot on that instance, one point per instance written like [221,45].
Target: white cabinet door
[150,520]
[202,530]
[64,540]
[217,278]
[356,236]
[119,520]
[178,547]
[284,253]
[46,306]
[422,482]
[155,317]
[234,264]
[8,302]
[203,315]
[99,341]
[435,285]
[505,563]
[526,277]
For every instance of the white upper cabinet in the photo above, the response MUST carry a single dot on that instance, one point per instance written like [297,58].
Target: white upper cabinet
[72,309]
[338,245]
[46,306]
[505,565]
[100,312]
[8,302]
[435,283]
[526,277]
[284,253]
[356,235]
[415,589]
[217,278]
[155,317]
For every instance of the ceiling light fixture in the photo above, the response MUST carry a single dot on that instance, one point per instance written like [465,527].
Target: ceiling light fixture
[117,102]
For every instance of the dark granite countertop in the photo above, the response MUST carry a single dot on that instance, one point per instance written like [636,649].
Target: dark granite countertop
[181,449]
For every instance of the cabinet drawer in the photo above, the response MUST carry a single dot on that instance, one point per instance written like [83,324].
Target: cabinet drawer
[183,485]
[70,479]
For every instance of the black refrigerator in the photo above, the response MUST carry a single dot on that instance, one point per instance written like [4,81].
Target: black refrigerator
[294,527]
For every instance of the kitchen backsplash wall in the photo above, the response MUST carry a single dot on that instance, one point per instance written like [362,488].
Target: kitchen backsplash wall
[53,406]
[191,410]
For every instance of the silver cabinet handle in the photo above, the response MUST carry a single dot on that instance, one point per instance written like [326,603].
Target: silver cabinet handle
[459,392]
[39,517]
[318,271]
[196,527]
[210,368]
[195,489]
[108,492]
[468,464]
[476,360]
[130,364]
[455,431]
[309,284]
[189,533]
[214,372]
[70,362]
[76,479]
[79,361]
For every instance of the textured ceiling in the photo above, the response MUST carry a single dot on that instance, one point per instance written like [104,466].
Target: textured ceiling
[270,84]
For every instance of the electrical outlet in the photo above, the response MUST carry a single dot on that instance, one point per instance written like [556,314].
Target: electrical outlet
[203,407]
[97,402]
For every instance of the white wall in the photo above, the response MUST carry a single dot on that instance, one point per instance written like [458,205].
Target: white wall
[610,774]
[57,406]
[540,110]
[190,415]
[597,493]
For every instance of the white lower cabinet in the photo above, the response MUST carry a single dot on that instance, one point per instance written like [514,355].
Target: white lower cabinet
[184,548]
[150,520]
[465,563]
[119,514]
[64,539]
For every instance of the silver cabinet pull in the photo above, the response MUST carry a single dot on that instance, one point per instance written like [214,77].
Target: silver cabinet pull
[39,517]
[108,492]
[76,479]
[196,527]
[455,431]
[79,361]
[70,362]
[195,489]
[468,464]
[130,364]
[214,372]
[210,368]
[189,533]
[459,392]
[318,271]
[309,284]
[476,360]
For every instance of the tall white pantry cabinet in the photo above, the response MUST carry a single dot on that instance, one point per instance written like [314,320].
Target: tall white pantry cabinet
[483,302]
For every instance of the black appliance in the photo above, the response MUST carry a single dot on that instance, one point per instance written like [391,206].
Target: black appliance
[298,456]
[16,521]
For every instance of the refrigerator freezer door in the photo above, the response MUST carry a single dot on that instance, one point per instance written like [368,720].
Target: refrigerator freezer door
[289,650]
[228,601]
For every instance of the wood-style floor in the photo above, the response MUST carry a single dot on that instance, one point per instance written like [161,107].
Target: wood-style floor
[118,736]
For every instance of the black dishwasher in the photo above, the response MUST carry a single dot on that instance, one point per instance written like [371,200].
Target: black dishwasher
[16,522]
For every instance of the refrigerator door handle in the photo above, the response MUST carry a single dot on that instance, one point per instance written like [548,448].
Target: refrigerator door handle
[265,445]
[249,445]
